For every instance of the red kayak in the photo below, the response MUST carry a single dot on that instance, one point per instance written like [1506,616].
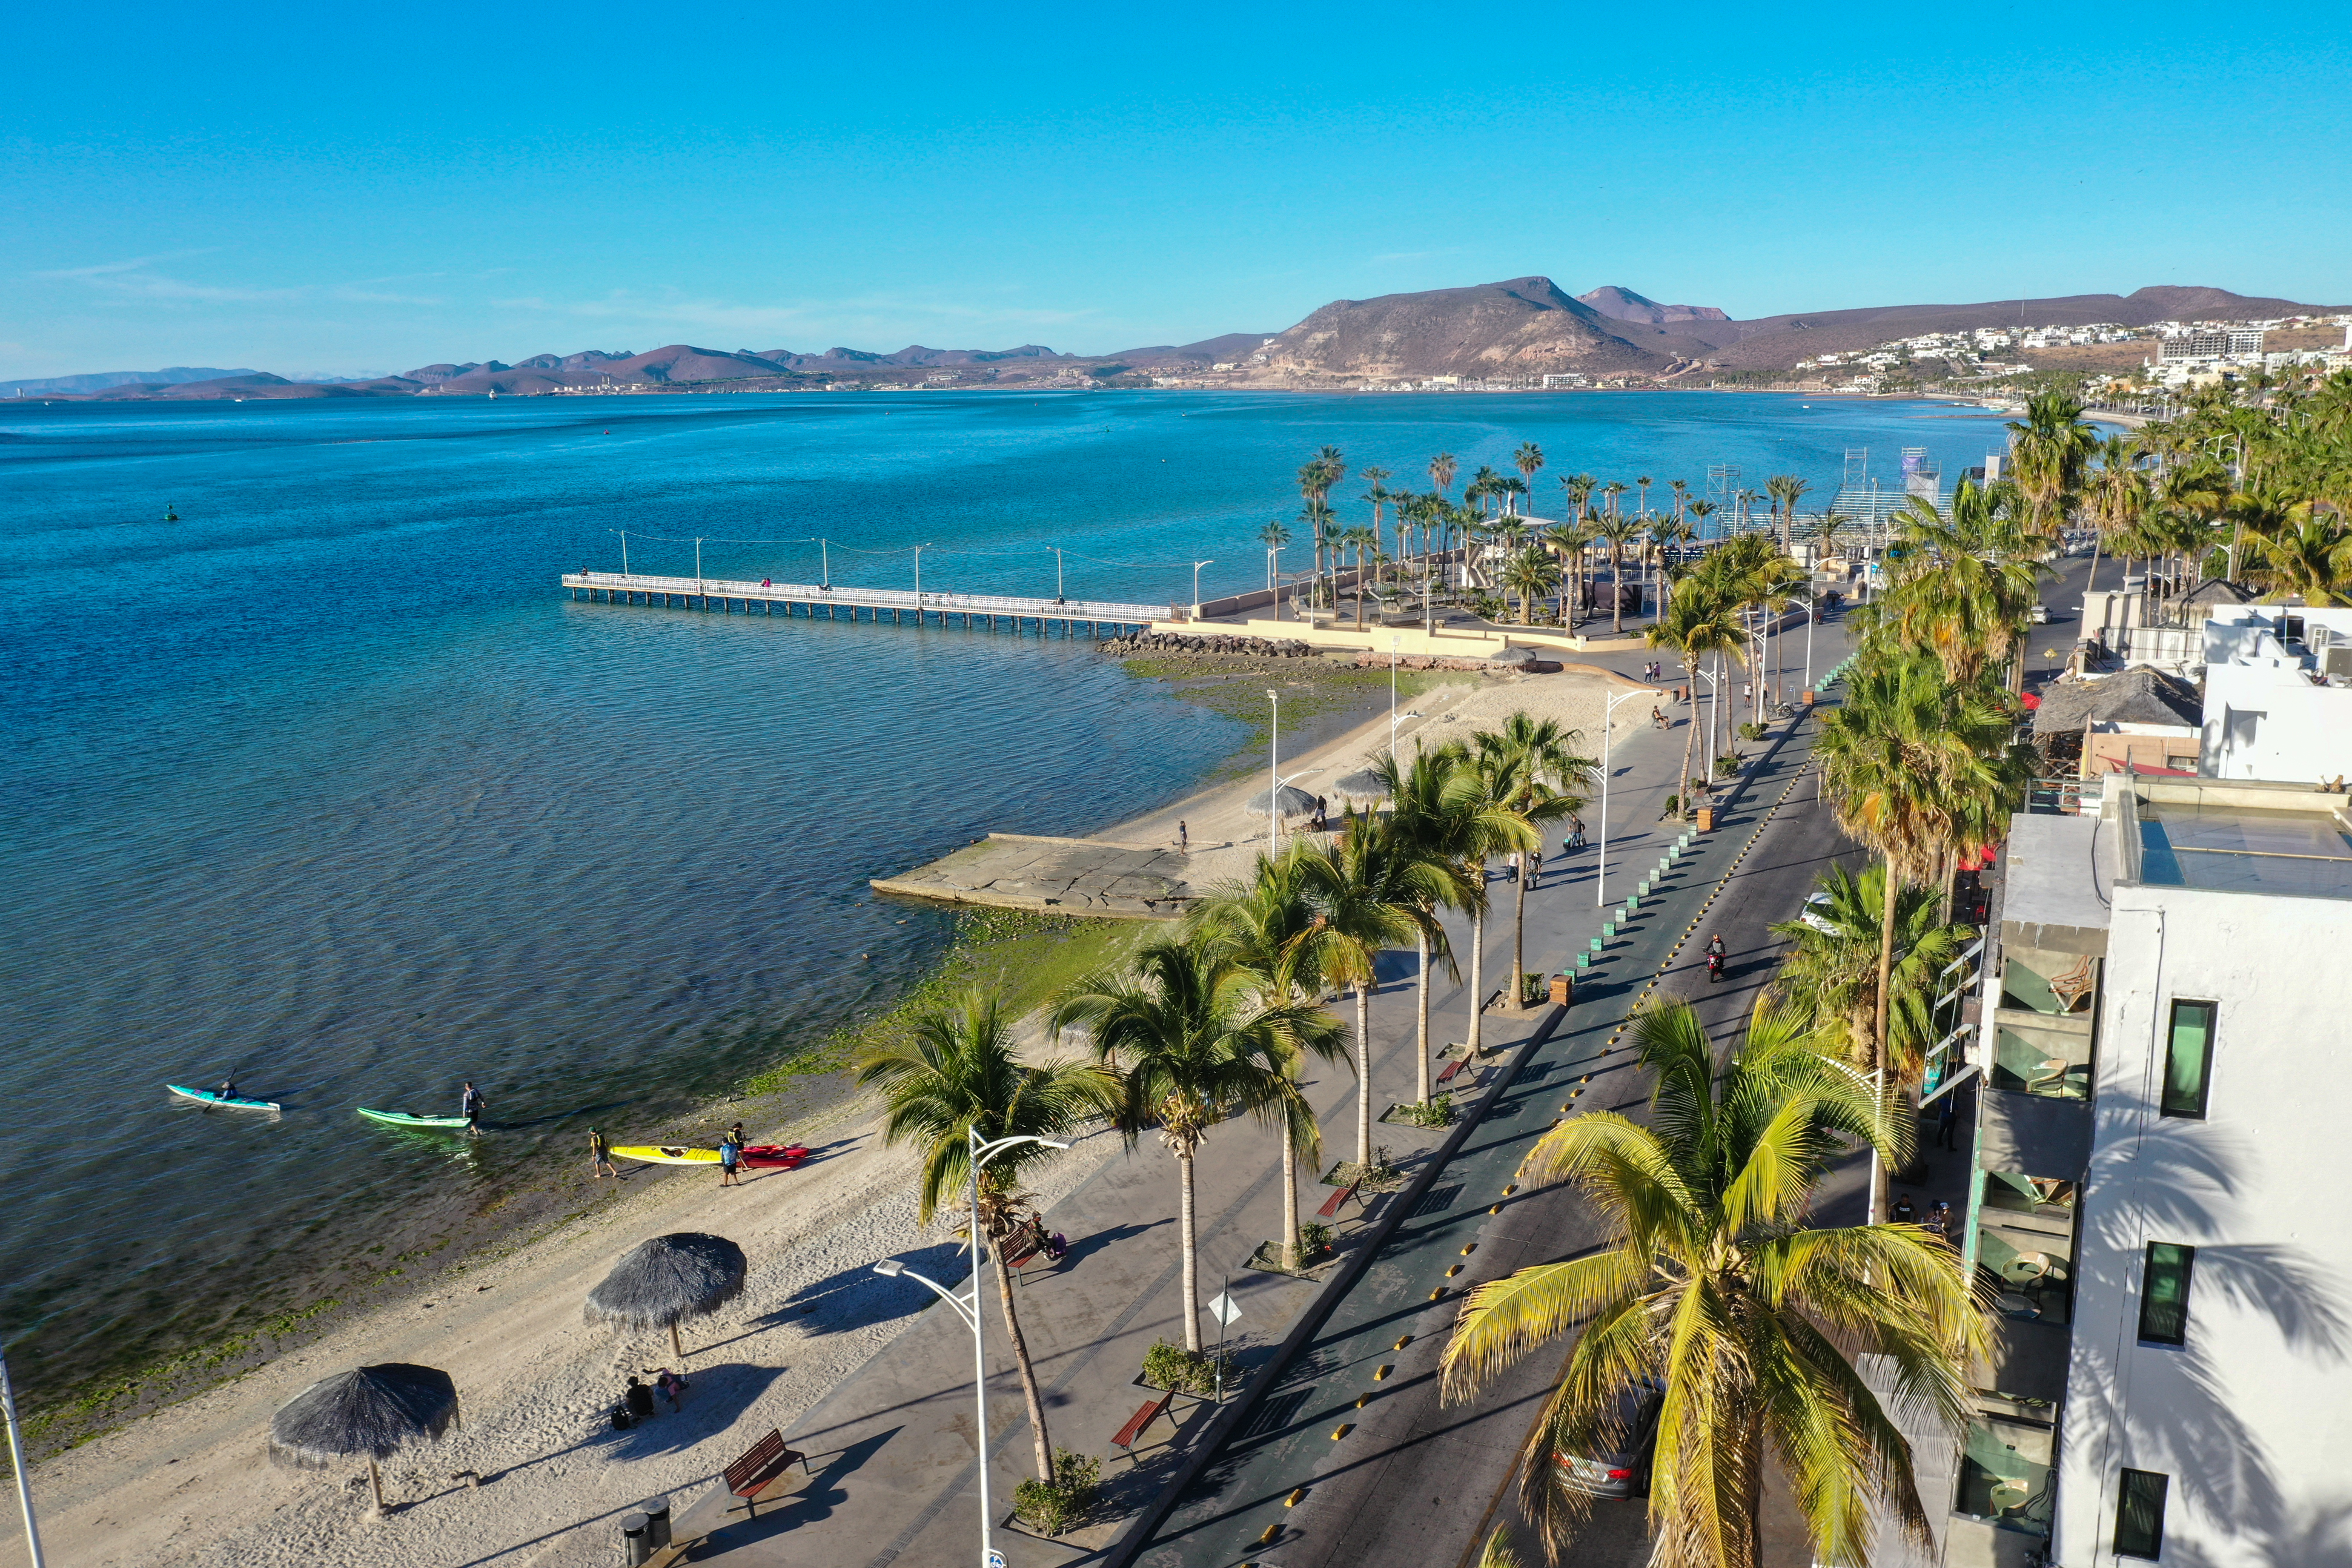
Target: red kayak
[774,1157]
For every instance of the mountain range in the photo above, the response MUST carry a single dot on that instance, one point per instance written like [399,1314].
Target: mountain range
[1520,327]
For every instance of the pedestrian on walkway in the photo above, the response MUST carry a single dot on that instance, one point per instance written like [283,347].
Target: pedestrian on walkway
[1904,1210]
[600,1156]
[1183,836]
[730,1154]
[1948,1123]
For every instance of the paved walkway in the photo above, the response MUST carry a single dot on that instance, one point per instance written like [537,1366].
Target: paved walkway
[894,1448]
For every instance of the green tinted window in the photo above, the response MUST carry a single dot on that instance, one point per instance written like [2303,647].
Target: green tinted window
[2188,1053]
[2164,1294]
[2139,1515]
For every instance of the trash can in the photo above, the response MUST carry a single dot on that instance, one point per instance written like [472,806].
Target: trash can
[657,1513]
[633,1549]
[1706,819]
[1564,990]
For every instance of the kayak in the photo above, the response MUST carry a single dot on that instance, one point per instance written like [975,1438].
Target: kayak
[665,1154]
[774,1157]
[226,1101]
[406,1119]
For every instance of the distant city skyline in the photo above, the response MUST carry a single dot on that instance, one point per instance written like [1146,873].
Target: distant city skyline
[383,190]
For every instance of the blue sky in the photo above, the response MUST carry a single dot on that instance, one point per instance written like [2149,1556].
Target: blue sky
[312,189]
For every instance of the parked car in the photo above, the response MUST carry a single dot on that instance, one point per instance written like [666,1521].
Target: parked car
[1811,914]
[1625,1472]
[2039,615]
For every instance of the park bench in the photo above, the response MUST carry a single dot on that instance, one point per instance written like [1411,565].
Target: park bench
[1152,1410]
[1026,1246]
[1331,1205]
[767,1459]
[1452,1067]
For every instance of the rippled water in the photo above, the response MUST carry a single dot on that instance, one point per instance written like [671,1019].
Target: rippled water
[327,783]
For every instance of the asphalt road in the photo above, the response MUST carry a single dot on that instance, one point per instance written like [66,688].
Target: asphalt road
[1411,1481]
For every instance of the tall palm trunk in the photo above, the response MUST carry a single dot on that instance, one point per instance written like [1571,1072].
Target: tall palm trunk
[1363,1078]
[1021,1359]
[2092,581]
[1878,1031]
[1421,1030]
[1690,739]
[1477,973]
[1289,1203]
[1519,926]
[1616,600]
[1185,1240]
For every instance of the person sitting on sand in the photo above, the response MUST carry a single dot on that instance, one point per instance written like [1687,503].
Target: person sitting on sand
[669,1386]
[639,1400]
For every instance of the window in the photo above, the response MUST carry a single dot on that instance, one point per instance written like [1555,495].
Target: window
[2164,1294]
[2188,1056]
[2139,1515]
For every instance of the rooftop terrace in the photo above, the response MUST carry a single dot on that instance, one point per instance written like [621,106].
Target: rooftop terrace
[2282,840]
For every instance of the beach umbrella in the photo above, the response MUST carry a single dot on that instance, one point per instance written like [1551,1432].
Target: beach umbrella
[1512,658]
[1295,803]
[371,1410]
[1363,785]
[664,1280]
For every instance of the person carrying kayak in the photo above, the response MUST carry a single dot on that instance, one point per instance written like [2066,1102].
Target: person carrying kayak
[470,1106]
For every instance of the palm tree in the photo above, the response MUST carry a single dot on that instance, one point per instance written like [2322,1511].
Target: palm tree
[1528,460]
[1531,760]
[1430,826]
[2313,560]
[1617,532]
[1895,756]
[1609,492]
[1274,536]
[1271,924]
[1786,489]
[1196,1040]
[1532,574]
[1641,508]
[1715,1288]
[1441,470]
[956,1074]
[1318,516]
[1696,623]
[1831,968]
[1370,892]
[2048,452]
[2116,497]
[1965,584]
[1380,492]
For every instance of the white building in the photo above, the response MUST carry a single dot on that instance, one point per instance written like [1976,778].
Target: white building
[2158,1150]
[2278,693]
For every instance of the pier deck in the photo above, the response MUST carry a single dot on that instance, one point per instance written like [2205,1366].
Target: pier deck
[838,602]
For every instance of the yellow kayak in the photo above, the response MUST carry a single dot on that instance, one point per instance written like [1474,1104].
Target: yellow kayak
[665,1154]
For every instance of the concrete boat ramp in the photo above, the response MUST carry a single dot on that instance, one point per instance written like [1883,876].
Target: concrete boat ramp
[1063,876]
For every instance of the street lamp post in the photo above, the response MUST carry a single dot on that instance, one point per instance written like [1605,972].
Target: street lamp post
[1600,869]
[697,567]
[16,1459]
[1274,772]
[1058,594]
[919,578]
[1393,645]
[1196,584]
[968,1309]
[825,563]
[624,552]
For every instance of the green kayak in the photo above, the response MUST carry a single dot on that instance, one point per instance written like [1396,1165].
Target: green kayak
[214,1097]
[404,1119]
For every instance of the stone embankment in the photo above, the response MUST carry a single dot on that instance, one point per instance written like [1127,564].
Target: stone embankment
[1169,642]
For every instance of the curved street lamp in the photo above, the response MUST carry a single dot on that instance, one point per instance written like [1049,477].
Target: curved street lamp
[967,1307]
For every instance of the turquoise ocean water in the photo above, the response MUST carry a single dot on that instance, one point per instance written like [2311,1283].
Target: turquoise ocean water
[328,784]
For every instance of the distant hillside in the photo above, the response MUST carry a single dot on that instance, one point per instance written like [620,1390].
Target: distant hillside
[101,380]
[1624,305]
[1520,328]
[1523,326]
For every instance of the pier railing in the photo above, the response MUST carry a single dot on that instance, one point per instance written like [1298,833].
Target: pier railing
[926,602]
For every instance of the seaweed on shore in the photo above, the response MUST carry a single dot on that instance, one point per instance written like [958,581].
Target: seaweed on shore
[1320,697]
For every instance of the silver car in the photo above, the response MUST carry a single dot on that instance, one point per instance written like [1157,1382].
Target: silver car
[1625,1472]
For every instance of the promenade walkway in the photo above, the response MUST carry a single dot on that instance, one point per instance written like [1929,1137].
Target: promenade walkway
[893,1448]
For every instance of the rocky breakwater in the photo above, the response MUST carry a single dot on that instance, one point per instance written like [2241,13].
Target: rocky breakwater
[1136,643]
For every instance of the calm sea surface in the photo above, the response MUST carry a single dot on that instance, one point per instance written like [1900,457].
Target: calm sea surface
[328,784]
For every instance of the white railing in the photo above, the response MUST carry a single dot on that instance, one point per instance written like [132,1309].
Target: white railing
[883,598]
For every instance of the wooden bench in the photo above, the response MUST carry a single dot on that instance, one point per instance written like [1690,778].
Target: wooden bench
[1025,1247]
[767,1459]
[1330,1209]
[1452,1067]
[1151,1411]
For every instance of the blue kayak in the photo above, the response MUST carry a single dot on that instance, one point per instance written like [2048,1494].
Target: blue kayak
[226,1101]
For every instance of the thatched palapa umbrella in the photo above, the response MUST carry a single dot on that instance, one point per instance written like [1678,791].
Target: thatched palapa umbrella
[663,1282]
[371,1410]
[1294,801]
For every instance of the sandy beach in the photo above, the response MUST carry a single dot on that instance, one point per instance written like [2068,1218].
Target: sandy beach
[192,1483]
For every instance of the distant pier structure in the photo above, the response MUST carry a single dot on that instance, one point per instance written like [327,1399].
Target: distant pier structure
[838,602]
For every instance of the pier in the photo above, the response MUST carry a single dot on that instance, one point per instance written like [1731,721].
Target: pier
[836,601]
